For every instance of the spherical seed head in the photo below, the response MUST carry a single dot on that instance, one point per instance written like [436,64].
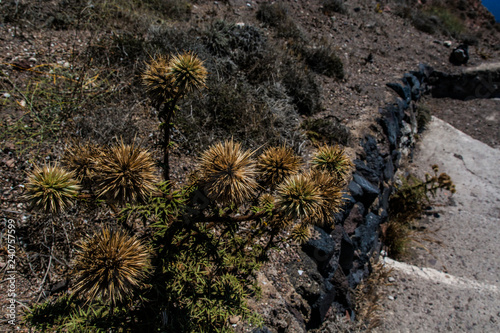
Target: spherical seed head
[51,189]
[266,200]
[187,72]
[158,81]
[80,159]
[301,233]
[277,163]
[299,197]
[331,193]
[334,160]
[111,264]
[228,173]
[125,174]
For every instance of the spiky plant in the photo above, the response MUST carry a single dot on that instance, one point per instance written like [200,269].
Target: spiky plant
[187,72]
[158,81]
[266,200]
[125,174]
[228,173]
[301,233]
[168,80]
[300,198]
[330,192]
[111,265]
[334,160]
[80,159]
[277,163]
[51,189]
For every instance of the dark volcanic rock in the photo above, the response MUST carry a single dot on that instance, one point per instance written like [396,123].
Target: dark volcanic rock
[366,235]
[460,55]
[355,189]
[370,174]
[354,219]
[320,247]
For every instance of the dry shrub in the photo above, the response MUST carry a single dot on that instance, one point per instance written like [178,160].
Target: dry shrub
[368,295]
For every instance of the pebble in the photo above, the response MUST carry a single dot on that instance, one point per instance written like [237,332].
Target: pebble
[391,298]
[6,95]
[447,43]
[300,272]
[234,320]
[391,279]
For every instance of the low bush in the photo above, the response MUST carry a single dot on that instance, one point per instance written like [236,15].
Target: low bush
[327,131]
[303,88]
[324,60]
[408,202]
[334,6]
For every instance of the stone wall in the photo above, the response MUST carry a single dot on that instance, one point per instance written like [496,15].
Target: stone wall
[334,261]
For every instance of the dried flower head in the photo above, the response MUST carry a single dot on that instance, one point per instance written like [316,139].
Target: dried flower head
[51,189]
[187,72]
[301,233]
[277,163]
[125,174]
[158,81]
[80,158]
[111,264]
[228,173]
[334,160]
[299,197]
[331,193]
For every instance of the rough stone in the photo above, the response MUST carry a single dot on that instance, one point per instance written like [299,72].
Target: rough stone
[370,174]
[354,219]
[373,158]
[355,189]
[370,190]
[309,285]
[320,247]
[346,256]
[388,169]
[366,234]
[402,90]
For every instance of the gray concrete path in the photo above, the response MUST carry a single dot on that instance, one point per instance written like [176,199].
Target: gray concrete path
[454,287]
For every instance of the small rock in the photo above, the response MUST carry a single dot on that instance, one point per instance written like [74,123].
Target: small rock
[6,95]
[32,59]
[234,320]
[391,298]
[10,163]
[300,272]
[447,43]
[391,279]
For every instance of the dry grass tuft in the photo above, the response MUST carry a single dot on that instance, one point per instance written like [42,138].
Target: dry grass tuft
[334,160]
[228,173]
[368,295]
[187,72]
[300,198]
[51,189]
[111,265]
[80,158]
[301,233]
[158,81]
[277,163]
[125,174]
